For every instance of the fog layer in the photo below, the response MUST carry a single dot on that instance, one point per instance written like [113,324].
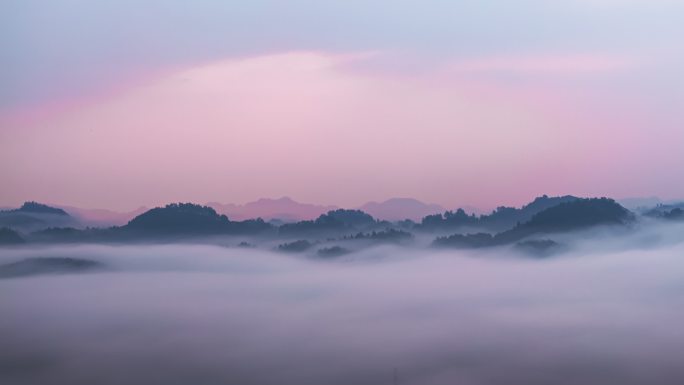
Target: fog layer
[602,313]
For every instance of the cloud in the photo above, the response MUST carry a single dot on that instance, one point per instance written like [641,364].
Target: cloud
[176,314]
[312,124]
[55,50]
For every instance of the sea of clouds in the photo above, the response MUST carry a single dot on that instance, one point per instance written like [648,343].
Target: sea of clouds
[607,311]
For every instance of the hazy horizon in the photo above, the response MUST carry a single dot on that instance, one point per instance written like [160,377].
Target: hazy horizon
[468,208]
[468,103]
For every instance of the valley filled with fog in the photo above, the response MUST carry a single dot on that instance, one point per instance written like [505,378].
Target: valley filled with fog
[606,310]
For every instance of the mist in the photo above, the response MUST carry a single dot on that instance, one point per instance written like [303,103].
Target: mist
[608,310]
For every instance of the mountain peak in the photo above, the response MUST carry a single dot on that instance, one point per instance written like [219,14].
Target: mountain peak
[39,208]
[179,217]
[283,208]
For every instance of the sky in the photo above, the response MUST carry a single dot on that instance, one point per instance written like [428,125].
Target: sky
[119,104]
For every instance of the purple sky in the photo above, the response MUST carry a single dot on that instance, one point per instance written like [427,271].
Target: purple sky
[122,104]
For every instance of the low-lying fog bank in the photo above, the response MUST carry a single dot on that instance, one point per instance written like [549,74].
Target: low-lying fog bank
[602,313]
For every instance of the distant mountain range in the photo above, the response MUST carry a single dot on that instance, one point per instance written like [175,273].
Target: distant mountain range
[288,210]
[397,209]
[38,208]
[33,216]
[38,223]
[568,215]
[284,209]
[189,219]
[502,218]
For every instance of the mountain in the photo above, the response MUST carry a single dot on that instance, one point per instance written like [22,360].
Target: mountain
[577,214]
[32,216]
[567,216]
[177,221]
[180,219]
[339,220]
[502,218]
[39,208]
[298,246]
[283,208]
[397,209]
[506,217]
[384,236]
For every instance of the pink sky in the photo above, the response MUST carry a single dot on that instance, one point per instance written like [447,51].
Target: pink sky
[333,129]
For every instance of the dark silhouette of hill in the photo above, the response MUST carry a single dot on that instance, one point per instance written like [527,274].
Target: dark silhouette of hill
[32,216]
[387,235]
[568,216]
[579,213]
[10,237]
[539,247]
[449,220]
[56,265]
[347,217]
[335,220]
[174,221]
[183,218]
[179,219]
[502,218]
[39,208]
[295,247]
[333,251]
[466,241]
[283,208]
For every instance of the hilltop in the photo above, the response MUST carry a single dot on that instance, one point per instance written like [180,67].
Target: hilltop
[346,230]
[32,216]
[567,216]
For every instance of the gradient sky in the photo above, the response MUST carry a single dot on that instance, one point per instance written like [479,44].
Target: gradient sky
[119,104]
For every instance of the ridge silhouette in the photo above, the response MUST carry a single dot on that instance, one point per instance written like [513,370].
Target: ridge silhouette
[177,222]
